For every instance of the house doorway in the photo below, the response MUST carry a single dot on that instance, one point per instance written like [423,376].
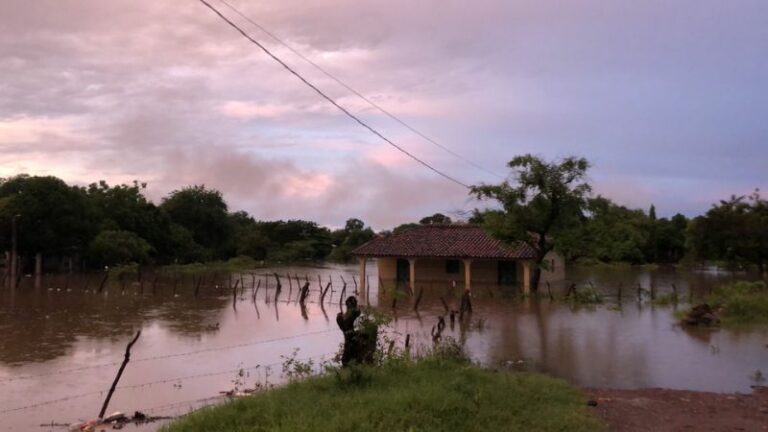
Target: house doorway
[403,272]
[507,271]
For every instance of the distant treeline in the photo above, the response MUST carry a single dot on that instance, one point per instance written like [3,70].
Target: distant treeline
[733,232]
[102,225]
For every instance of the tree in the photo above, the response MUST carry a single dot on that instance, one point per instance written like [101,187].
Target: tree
[735,231]
[203,213]
[248,237]
[125,208]
[670,243]
[614,232]
[403,227]
[547,199]
[436,219]
[52,217]
[118,247]
[346,240]
[296,240]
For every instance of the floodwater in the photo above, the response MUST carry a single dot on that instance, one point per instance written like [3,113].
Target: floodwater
[62,341]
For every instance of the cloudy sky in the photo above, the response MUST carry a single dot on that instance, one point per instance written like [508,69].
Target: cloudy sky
[667,99]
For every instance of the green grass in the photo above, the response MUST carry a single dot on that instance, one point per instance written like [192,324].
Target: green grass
[594,262]
[665,299]
[741,303]
[585,296]
[235,264]
[401,395]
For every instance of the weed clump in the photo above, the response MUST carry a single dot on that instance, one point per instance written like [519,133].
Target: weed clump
[436,389]
[741,302]
[584,296]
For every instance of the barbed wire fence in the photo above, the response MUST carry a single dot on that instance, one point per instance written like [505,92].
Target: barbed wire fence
[177,379]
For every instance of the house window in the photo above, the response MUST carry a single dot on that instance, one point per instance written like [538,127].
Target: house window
[452,266]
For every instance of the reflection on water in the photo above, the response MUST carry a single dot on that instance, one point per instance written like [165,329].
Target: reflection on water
[49,328]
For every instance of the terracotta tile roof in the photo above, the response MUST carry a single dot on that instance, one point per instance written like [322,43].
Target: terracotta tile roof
[447,241]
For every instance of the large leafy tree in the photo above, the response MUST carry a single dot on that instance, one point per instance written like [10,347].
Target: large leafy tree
[545,200]
[125,208]
[435,219]
[52,216]
[614,232]
[297,240]
[735,230]
[203,213]
[346,240]
[112,247]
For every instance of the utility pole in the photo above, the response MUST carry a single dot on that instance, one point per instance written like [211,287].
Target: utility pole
[14,258]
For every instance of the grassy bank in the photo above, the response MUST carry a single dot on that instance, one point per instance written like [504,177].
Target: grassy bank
[741,303]
[429,395]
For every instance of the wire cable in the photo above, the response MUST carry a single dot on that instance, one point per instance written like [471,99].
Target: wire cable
[357,93]
[135,386]
[331,100]
[166,356]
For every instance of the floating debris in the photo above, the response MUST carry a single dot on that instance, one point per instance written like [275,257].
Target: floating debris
[116,420]
[703,315]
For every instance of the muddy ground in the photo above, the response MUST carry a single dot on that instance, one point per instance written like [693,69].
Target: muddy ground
[677,410]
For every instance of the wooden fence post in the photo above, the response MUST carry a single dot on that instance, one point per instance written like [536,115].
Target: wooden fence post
[119,374]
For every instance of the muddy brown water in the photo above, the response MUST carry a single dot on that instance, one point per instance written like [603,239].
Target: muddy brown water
[61,341]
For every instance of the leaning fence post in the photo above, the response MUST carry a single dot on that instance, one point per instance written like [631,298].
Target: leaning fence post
[418,298]
[103,281]
[119,374]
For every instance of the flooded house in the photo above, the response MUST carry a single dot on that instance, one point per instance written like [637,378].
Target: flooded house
[461,255]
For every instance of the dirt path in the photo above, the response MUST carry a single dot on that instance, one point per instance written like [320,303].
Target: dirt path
[676,410]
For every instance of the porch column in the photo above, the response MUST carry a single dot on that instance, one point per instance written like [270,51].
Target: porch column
[468,274]
[526,277]
[38,264]
[361,261]
[412,275]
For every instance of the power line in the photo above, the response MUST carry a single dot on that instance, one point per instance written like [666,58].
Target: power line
[329,99]
[357,93]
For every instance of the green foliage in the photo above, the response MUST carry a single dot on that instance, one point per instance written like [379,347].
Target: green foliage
[427,395]
[741,302]
[403,227]
[295,368]
[585,296]
[125,208]
[614,234]
[203,213]
[52,217]
[735,231]
[109,225]
[435,219]
[665,299]
[546,201]
[346,240]
[118,247]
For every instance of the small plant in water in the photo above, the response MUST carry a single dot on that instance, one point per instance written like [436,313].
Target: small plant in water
[585,296]
[239,381]
[665,299]
[757,377]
